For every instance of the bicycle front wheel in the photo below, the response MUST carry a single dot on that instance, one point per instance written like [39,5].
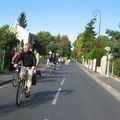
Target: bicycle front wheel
[15,79]
[20,91]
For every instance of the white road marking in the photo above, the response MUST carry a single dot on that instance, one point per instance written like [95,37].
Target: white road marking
[46,119]
[56,96]
[62,83]
[3,86]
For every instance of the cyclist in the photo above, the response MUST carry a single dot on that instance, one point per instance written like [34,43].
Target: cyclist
[52,58]
[29,61]
[37,56]
[17,53]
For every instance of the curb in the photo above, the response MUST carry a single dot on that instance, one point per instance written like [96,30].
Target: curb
[107,87]
[5,82]
[8,81]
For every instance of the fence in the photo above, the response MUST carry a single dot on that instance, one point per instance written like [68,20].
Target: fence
[101,69]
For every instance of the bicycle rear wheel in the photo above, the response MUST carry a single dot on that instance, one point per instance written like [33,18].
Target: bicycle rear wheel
[20,92]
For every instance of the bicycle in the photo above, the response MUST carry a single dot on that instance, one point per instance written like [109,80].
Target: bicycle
[15,79]
[51,67]
[21,89]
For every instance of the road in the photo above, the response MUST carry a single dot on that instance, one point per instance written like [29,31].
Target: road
[67,94]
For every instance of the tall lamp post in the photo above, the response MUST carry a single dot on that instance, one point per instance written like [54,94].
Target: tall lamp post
[97,13]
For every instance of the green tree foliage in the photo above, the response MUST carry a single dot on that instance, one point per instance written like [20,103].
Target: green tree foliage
[22,20]
[8,41]
[89,37]
[98,50]
[65,46]
[88,45]
[114,35]
[21,44]
[78,44]
[115,50]
[114,42]
[46,42]
[117,67]
[85,42]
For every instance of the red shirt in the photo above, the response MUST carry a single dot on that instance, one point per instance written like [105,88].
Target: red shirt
[15,56]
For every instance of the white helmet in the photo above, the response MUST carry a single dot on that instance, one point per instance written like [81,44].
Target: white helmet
[50,52]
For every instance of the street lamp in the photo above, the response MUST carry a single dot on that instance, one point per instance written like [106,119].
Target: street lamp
[97,13]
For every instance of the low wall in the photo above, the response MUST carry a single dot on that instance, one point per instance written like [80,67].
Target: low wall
[91,65]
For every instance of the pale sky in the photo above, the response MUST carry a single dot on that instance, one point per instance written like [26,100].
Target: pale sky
[67,17]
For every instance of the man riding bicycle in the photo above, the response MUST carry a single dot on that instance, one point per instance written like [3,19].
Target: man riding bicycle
[29,62]
[52,58]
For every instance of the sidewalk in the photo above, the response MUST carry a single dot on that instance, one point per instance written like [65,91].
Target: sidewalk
[111,84]
[7,78]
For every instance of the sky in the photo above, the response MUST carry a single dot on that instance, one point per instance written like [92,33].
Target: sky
[65,17]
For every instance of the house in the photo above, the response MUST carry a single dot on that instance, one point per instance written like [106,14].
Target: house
[22,34]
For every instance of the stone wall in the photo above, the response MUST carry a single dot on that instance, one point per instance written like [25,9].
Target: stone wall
[91,65]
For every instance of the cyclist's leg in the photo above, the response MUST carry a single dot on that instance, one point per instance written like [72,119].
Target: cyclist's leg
[52,66]
[29,81]
[22,73]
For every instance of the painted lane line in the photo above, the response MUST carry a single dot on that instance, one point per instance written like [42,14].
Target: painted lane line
[3,86]
[46,119]
[56,96]
[62,83]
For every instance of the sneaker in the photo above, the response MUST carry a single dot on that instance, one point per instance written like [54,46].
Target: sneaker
[26,88]
[27,94]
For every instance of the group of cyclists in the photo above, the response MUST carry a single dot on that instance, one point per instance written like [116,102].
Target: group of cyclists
[27,61]
[30,60]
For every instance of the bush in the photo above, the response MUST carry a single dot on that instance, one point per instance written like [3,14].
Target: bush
[117,67]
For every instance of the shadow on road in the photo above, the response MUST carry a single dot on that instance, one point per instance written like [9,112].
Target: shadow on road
[35,100]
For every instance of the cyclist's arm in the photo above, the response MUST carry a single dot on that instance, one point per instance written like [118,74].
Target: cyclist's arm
[18,60]
[15,56]
[34,62]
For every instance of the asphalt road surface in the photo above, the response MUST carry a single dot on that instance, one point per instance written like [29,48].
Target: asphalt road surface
[67,94]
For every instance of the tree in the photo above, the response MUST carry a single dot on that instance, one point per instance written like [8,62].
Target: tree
[114,35]
[22,20]
[65,46]
[89,37]
[44,42]
[7,38]
[85,42]
[21,43]
[78,44]
[115,50]
[8,41]
[98,50]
